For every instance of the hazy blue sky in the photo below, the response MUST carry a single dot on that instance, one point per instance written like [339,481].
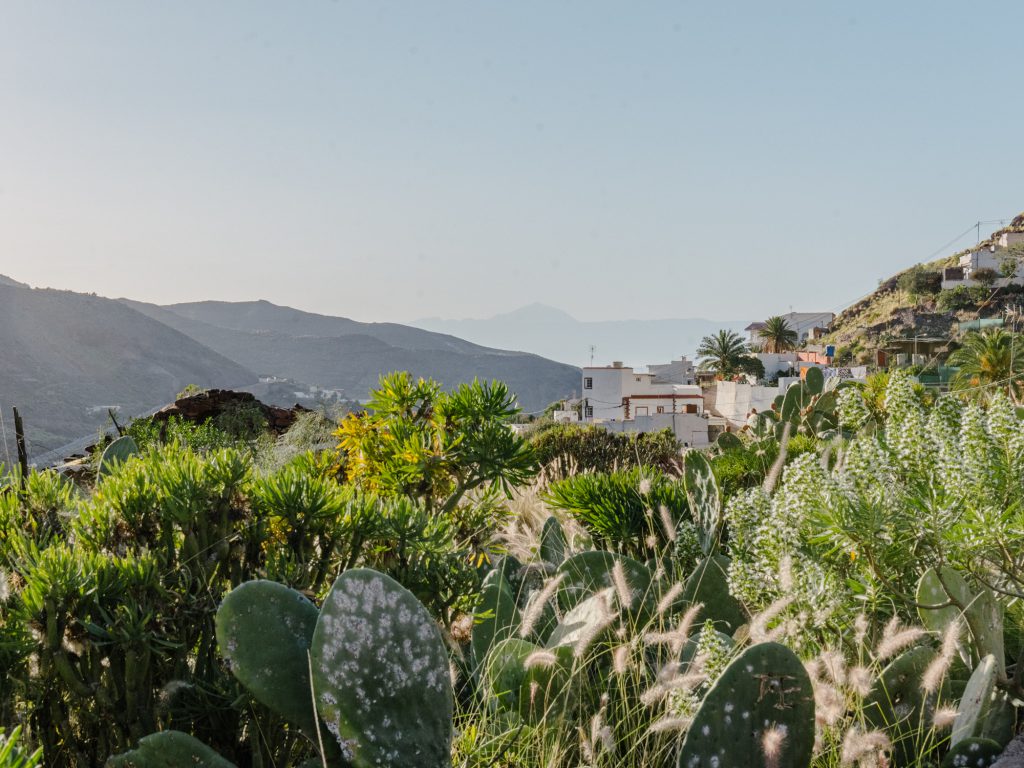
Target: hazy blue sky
[387,160]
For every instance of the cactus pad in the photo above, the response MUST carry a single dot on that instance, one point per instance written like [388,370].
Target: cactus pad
[764,689]
[897,705]
[705,500]
[117,453]
[264,630]
[553,547]
[380,674]
[527,679]
[498,616]
[169,749]
[972,753]
[587,573]
[709,585]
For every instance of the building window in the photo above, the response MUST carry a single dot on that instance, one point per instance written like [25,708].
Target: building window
[661,409]
[691,408]
[590,412]
[588,383]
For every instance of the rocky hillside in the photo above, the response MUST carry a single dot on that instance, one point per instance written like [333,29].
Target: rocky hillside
[66,357]
[911,303]
[344,354]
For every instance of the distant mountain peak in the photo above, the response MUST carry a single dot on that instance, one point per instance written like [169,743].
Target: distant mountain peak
[537,312]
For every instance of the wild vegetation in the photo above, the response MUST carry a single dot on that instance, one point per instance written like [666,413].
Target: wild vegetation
[837,584]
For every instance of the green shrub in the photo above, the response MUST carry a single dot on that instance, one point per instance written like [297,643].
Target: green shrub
[636,511]
[565,448]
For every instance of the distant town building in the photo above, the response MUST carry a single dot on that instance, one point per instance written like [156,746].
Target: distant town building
[623,400]
[991,254]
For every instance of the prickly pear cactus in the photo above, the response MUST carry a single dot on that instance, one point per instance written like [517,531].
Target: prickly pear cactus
[705,500]
[527,679]
[763,700]
[553,547]
[589,622]
[976,699]
[972,753]
[116,453]
[980,610]
[984,710]
[587,573]
[709,585]
[793,402]
[897,705]
[380,674]
[497,615]
[169,749]
[727,441]
[264,631]
[814,381]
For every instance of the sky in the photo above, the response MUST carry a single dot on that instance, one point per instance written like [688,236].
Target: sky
[391,161]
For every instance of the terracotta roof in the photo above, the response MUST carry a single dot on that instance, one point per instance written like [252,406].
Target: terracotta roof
[754,327]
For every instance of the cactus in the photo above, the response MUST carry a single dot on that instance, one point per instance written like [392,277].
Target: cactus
[498,616]
[527,679]
[587,573]
[972,753]
[943,596]
[709,585]
[727,441]
[169,749]
[984,711]
[814,381]
[553,547]
[587,623]
[264,631]
[380,674]
[705,500]
[897,704]
[116,453]
[765,689]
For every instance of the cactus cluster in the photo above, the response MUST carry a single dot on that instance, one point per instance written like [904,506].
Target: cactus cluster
[759,713]
[366,676]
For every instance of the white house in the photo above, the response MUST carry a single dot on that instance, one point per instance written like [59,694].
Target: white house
[624,400]
[681,371]
[989,255]
[806,325]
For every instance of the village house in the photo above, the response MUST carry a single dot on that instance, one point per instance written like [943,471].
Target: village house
[992,254]
[623,400]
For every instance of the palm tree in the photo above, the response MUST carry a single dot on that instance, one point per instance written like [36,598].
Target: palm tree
[991,360]
[777,335]
[724,352]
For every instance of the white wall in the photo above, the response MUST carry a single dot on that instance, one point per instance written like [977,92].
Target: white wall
[690,429]
[734,401]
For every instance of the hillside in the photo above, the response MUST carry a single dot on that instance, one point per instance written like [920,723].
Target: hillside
[345,354]
[892,312]
[65,357]
[555,334]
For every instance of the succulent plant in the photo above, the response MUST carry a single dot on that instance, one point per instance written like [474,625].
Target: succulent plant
[943,596]
[264,630]
[972,753]
[117,453]
[553,547]
[380,674]
[709,585]
[984,711]
[497,615]
[759,713]
[527,679]
[169,749]
[587,573]
[898,705]
[587,623]
[705,500]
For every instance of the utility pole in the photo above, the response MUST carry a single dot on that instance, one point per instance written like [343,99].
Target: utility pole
[19,437]
[593,349]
